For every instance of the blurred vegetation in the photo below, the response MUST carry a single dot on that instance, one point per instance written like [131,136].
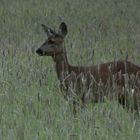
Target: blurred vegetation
[31,104]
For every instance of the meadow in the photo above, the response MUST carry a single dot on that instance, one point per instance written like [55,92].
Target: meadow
[31,104]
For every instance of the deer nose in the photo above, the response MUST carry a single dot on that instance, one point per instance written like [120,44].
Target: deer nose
[39,51]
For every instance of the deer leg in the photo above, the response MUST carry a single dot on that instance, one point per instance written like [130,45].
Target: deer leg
[130,100]
[74,108]
[136,100]
[78,104]
[122,101]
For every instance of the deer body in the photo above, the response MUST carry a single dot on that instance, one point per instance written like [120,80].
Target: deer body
[90,83]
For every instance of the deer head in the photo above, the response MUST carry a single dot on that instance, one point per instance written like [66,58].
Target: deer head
[54,43]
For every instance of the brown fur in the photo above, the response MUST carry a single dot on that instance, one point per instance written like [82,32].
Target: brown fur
[84,84]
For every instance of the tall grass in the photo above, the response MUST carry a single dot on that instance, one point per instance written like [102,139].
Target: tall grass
[31,105]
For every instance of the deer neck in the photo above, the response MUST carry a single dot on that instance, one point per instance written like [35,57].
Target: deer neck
[62,65]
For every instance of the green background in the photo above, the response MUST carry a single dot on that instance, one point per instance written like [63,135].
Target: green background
[31,104]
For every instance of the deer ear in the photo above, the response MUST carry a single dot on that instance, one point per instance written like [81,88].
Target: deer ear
[63,29]
[48,30]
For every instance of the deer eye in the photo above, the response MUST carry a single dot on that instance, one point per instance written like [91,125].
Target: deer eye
[51,41]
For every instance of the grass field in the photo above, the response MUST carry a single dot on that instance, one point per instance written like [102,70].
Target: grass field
[31,104]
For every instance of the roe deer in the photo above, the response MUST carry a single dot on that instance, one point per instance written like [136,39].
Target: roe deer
[84,84]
